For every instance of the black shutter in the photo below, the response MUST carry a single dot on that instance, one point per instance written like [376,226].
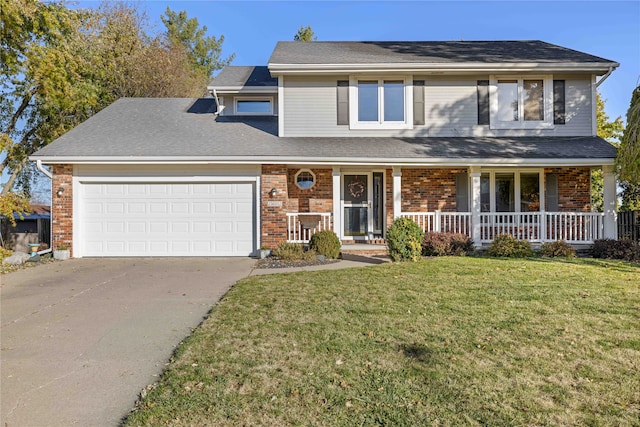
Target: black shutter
[483,102]
[551,192]
[418,102]
[462,192]
[558,102]
[343,102]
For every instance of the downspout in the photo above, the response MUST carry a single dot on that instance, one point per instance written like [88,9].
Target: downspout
[50,176]
[603,78]
[219,107]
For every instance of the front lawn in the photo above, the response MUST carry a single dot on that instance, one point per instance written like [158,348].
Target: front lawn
[445,341]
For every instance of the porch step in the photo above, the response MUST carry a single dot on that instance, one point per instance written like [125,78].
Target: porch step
[366,249]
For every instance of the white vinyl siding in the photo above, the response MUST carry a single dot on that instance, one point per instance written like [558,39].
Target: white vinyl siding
[310,109]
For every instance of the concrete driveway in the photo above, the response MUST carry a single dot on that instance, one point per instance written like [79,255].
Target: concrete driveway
[81,338]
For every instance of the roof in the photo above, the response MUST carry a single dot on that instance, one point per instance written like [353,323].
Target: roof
[237,76]
[372,52]
[176,129]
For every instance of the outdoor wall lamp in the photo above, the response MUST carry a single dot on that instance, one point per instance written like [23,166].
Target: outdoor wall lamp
[60,191]
[273,192]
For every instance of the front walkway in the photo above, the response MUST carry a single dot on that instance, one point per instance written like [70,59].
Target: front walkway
[81,338]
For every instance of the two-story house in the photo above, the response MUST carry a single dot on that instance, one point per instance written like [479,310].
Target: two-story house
[479,138]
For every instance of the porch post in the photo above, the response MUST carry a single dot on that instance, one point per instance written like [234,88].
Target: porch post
[475,206]
[397,192]
[610,217]
[337,211]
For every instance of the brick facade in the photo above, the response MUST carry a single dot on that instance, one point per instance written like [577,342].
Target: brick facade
[273,210]
[428,190]
[318,198]
[62,207]
[574,188]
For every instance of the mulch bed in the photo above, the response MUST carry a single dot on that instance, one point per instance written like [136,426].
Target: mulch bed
[273,262]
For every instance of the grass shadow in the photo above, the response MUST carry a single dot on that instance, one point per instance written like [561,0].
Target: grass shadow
[418,352]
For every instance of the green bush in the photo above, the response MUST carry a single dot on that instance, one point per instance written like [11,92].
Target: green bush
[404,240]
[505,245]
[293,252]
[559,248]
[627,250]
[446,244]
[325,243]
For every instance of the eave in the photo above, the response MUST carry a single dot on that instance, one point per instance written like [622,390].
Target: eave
[440,68]
[243,89]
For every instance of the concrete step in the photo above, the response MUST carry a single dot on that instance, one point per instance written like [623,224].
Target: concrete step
[365,249]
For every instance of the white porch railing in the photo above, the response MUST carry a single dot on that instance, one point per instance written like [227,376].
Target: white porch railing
[301,226]
[573,227]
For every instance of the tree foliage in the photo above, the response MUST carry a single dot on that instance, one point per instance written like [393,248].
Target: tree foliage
[610,130]
[305,34]
[60,66]
[629,153]
[204,52]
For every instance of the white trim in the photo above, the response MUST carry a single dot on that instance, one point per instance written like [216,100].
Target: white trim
[253,99]
[594,106]
[295,178]
[397,191]
[243,89]
[257,214]
[547,123]
[279,69]
[354,123]
[609,202]
[321,161]
[280,106]
[336,177]
[76,215]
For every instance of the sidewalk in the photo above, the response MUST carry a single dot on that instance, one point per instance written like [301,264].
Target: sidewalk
[350,261]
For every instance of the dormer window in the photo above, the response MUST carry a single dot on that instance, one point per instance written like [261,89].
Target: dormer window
[254,106]
[521,103]
[380,103]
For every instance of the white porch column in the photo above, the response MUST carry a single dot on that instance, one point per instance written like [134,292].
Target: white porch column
[610,216]
[337,211]
[397,192]
[475,206]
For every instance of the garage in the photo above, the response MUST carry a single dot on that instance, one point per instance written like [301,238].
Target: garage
[166,218]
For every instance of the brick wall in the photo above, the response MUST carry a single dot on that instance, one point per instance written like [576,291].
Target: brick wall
[318,198]
[574,188]
[273,227]
[62,207]
[428,190]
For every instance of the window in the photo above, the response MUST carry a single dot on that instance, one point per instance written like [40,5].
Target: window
[254,106]
[380,103]
[305,179]
[521,103]
[500,190]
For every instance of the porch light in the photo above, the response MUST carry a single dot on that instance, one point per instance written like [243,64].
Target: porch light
[273,192]
[60,191]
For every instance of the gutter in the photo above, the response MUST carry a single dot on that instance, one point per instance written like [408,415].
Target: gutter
[50,176]
[219,107]
[603,78]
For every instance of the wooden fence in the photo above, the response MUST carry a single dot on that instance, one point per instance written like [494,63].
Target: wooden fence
[629,225]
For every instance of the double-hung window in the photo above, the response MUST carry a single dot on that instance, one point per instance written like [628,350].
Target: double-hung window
[381,103]
[521,102]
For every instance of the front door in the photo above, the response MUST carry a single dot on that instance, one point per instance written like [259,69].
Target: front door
[362,196]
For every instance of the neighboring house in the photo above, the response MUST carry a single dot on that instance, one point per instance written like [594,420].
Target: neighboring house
[474,137]
[30,229]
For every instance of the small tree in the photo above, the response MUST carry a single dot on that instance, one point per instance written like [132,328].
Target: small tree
[305,34]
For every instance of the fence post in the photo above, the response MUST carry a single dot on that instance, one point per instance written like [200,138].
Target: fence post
[436,225]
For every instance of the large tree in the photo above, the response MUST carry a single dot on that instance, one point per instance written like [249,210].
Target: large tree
[610,130]
[628,159]
[305,34]
[204,52]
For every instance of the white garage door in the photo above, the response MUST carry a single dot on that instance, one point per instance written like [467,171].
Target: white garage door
[167,219]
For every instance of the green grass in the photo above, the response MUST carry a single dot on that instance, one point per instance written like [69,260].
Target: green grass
[445,341]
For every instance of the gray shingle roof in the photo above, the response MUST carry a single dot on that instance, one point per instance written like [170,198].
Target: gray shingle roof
[244,76]
[447,52]
[176,128]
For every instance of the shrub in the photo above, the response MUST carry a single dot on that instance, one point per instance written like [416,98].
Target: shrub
[404,240]
[559,248]
[508,246]
[289,251]
[5,253]
[443,244]
[616,249]
[325,243]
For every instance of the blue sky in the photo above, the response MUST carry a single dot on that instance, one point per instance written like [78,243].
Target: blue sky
[608,29]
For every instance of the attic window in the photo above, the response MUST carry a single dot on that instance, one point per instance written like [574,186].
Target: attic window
[305,179]
[254,106]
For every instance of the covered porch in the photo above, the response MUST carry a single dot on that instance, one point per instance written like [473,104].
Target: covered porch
[534,204]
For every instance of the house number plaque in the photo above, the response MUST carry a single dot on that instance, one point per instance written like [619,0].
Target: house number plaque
[274,204]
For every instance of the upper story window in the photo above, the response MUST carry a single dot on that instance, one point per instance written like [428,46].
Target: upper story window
[521,103]
[254,106]
[380,103]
